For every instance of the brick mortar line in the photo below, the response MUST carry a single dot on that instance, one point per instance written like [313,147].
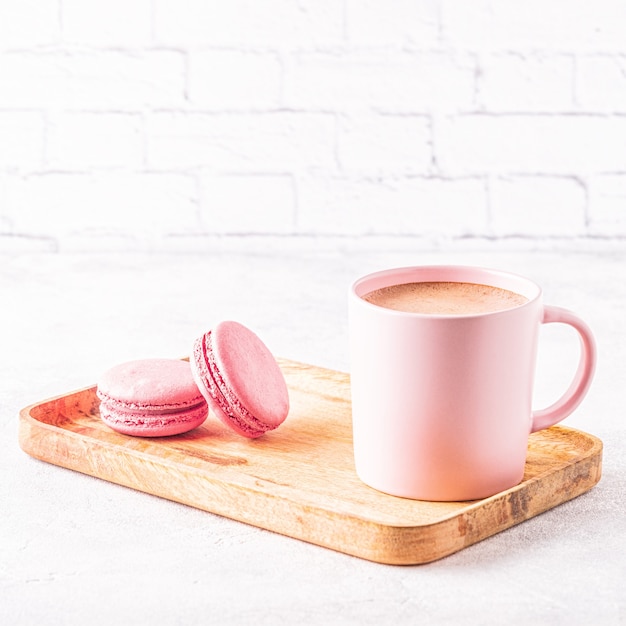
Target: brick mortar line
[252,243]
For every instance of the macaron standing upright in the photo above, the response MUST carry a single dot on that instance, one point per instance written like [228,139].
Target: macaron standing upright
[151,398]
[240,379]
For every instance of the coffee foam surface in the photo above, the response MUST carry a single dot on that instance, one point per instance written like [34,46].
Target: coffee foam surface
[445,298]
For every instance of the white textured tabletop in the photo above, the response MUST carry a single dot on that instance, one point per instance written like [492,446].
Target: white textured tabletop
[78,550]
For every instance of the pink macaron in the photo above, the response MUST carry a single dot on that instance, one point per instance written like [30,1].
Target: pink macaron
[151,398]
[240,379]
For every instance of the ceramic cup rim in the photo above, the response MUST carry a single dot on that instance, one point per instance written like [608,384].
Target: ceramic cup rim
[444,273]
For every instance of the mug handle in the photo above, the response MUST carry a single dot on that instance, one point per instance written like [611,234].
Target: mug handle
[582,379]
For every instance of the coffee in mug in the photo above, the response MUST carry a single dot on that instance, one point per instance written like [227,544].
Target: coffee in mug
[442,371]
[445,298]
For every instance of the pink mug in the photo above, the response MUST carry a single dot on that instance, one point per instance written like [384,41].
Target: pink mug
[441,404]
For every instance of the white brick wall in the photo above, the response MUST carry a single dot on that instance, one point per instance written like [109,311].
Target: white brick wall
[138,123]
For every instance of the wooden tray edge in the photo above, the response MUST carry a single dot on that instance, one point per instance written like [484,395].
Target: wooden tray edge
[374,541]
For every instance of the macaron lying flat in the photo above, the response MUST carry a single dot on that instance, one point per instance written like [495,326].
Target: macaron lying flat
[240,379]
[151,398]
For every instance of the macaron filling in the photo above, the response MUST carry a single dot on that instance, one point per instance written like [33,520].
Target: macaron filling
[118,405]
[220,393]
[151,418]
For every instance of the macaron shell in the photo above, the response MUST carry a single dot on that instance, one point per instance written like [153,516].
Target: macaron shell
[150,383]
[202,367]
[250,372]
[240,379]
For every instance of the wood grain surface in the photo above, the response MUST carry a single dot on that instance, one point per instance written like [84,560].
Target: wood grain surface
[299,480]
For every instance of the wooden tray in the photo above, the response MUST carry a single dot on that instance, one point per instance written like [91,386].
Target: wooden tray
[300,480]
